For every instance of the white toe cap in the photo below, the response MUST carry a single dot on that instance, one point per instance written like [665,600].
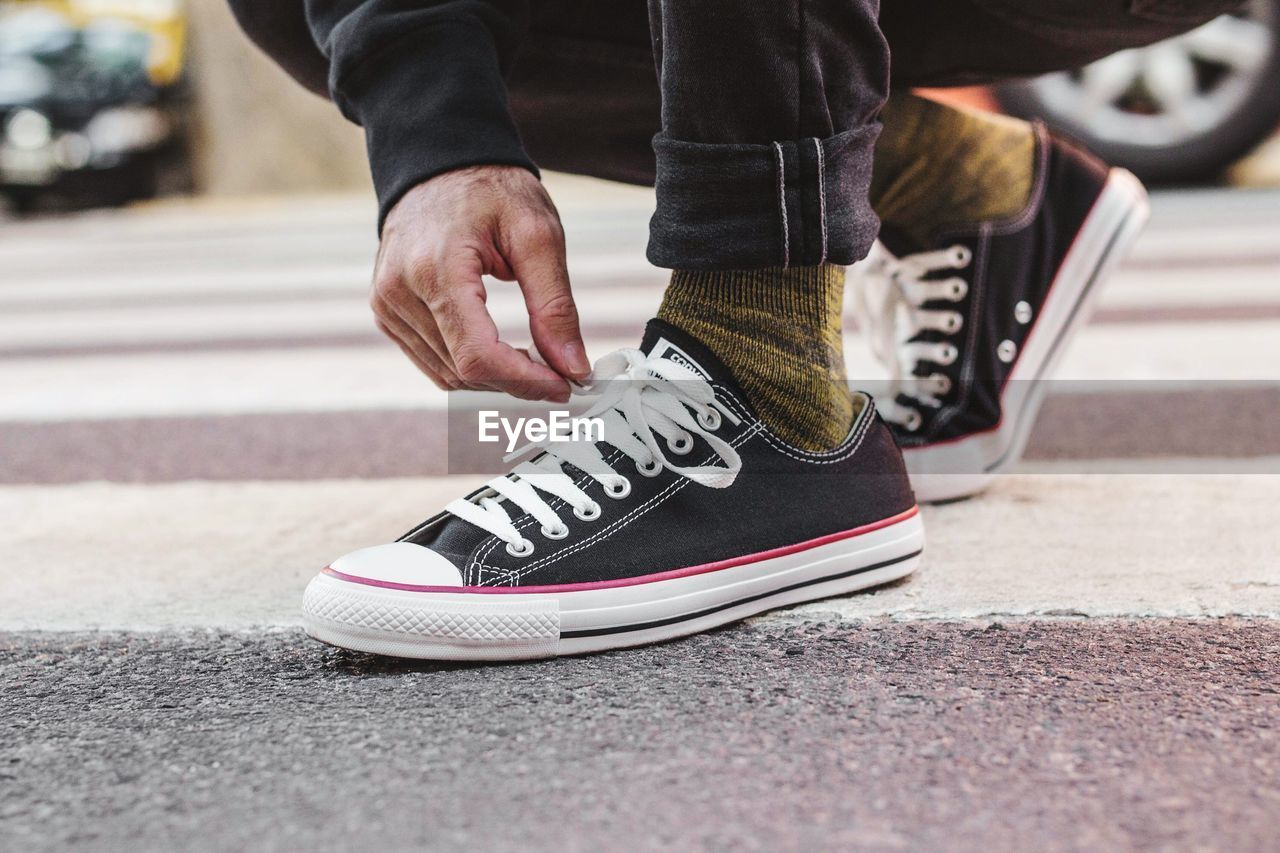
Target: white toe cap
[399,563]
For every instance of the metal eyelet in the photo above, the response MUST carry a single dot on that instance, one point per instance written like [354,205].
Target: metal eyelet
[558,533]
[710,419]
[523,549]
[1007,351]
[653,469]
[954,321]
[590,513]
[941,383]
[959,289]
[948,355]
[619,489]
[682,445]
[1022,312]
[913,421]
[961,256]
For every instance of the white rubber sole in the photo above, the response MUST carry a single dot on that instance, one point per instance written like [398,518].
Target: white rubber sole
[514,625]
[965,466]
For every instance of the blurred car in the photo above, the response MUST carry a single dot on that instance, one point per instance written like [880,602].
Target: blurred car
[1178,111]
[91,100]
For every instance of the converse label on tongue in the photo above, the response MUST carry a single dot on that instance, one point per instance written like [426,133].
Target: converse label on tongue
[665,349]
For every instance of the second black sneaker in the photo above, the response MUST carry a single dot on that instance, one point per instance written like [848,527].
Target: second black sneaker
[972,324]
[689,514]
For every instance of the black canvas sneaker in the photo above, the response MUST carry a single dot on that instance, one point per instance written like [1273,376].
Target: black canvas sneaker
[690,514]
[970,325]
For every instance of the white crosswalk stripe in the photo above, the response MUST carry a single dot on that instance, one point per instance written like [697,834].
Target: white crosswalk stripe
[377,376]
[187,326]
[163,278]
[163,312]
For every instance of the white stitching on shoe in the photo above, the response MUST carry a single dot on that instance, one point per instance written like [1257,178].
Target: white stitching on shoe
[483,551]
[825,457]
[856,438]
[838,453]
[514,577]
[478,566]
[485,548]
[618,524]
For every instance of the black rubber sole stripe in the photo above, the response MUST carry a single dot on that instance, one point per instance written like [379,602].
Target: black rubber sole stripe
[596,632]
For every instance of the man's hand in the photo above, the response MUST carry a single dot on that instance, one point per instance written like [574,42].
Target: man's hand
[428,297]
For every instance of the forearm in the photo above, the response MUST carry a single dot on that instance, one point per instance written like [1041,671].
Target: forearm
[280,29]
[425,80]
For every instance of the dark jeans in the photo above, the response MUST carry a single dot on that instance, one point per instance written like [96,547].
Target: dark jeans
[765,112]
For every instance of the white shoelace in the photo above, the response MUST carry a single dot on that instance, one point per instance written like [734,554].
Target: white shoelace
[889,294]
[638,399]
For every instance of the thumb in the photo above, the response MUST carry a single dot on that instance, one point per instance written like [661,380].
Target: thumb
[538,262]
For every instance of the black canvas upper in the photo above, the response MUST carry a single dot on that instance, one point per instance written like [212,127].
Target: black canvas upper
[782,496]
[1012,261]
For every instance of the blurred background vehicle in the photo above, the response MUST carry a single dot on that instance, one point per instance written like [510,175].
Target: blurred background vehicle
[93,105]
[1178,111]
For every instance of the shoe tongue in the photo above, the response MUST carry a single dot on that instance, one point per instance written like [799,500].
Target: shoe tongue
[663,340]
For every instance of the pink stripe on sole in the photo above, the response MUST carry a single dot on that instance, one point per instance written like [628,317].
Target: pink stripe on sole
[642,579]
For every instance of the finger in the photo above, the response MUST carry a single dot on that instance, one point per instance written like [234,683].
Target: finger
[411,313]
[419,353]
[431,370]
[413,322]
[537,257]
[436,379]
[478,355]
[428,331]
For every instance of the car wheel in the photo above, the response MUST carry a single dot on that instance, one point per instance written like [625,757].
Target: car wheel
[1180,110]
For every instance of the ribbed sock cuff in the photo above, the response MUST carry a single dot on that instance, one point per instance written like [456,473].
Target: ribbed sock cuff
[939,167]
[779,333]
[808,296]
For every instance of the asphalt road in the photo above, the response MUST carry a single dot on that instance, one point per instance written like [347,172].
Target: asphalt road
[1063,735]
[195,415]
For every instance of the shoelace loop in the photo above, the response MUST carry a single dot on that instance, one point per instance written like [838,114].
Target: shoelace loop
[891,294]
[639,400]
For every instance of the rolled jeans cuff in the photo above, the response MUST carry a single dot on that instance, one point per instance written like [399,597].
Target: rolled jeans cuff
[788,203]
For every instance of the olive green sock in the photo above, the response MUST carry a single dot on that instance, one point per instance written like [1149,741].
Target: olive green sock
[938,166]
[778,332]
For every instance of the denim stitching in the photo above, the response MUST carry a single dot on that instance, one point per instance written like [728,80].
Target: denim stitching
[822,198]
[782,206]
